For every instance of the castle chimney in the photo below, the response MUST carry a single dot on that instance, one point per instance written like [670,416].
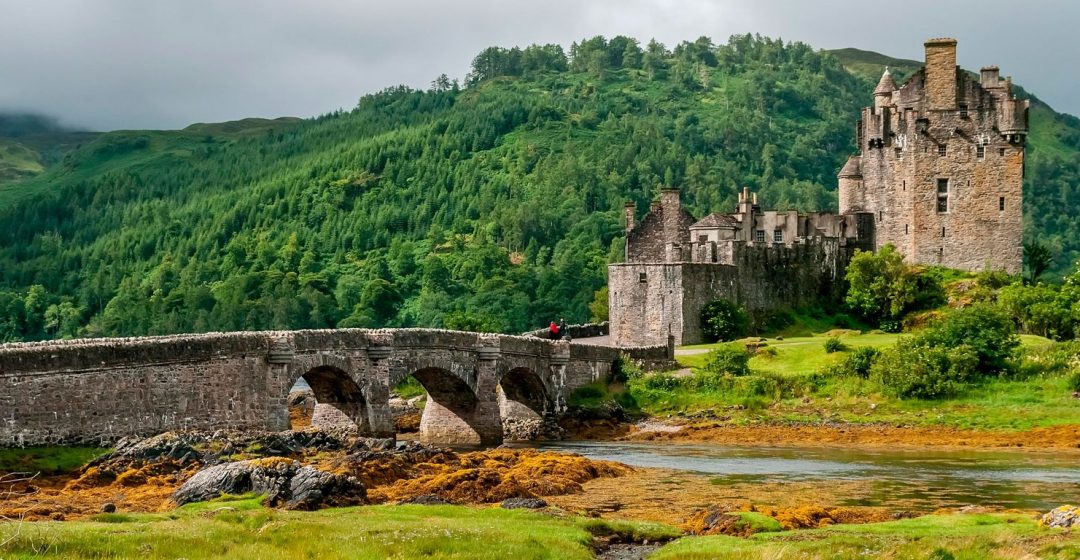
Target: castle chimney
[629,209]
[755,199]
[989,77]
[941,74]
[671,208]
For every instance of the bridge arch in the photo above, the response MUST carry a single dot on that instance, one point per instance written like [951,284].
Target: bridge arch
[453,413]
[525,403]
[339,398]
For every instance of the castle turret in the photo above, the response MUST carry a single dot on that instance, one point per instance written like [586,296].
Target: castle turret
[884,90]
[852,196]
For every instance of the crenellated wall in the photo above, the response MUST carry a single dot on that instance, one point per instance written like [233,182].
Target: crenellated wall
[99,390]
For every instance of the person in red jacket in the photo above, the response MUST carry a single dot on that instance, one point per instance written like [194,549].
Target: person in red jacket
[553,331]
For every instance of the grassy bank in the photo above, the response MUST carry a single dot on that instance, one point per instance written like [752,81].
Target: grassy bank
[47,460]
[936,537]
[794,380]
[242,528]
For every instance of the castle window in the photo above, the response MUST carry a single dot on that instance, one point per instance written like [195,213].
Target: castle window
[942,195]
[980,152]
[904,185]
[963,111]
[942,150]
[1001,203]
[759,235]
[905,229]
[641,277]
[778,236]
[943,231]
[1001,151]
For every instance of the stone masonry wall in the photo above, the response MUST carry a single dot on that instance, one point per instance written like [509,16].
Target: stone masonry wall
[97,391]
[763,278]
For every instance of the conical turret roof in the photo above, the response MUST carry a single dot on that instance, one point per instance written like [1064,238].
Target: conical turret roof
[853,168]
[886,84]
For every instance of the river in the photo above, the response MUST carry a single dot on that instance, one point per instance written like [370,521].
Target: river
[915,479]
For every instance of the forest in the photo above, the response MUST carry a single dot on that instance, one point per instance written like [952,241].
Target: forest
[493,204]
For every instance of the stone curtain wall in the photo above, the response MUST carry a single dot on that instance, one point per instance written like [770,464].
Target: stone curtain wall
[649,301]
[97,391]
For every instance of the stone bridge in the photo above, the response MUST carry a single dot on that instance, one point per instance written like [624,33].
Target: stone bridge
[99,390]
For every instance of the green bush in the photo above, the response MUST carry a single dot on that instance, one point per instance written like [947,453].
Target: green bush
[987,330]
[861,360]
[722,320]
[833,344]
[1074,380]
[916,369]
[729,359]
[661,382]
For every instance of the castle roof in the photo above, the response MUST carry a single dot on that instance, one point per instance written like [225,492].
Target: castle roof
[886,84]
[716,220]
[853,168]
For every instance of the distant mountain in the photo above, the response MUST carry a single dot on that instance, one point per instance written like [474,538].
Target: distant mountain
[492,205]
[31,142]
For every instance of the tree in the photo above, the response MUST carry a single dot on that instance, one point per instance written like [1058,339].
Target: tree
[881,287]
[722,320]
[598,308]
[1037,258]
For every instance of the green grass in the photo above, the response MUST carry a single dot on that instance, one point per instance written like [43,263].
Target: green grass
[938,537]
[789,384]
[409,388]
[47,460]
[240,528]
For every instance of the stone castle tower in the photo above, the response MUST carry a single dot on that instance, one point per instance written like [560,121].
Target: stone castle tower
[941,165]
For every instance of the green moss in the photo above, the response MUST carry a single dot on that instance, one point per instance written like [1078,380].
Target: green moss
[47,460]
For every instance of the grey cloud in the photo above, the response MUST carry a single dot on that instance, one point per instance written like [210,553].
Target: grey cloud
[109,64]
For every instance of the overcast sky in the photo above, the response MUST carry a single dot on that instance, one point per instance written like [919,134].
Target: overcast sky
[108,64]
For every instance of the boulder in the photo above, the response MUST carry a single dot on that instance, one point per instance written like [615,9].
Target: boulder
[1064,517]
[283,482]
[524,503]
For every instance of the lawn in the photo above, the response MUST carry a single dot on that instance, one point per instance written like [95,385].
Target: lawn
[790,383]
[242,528]
[936,537]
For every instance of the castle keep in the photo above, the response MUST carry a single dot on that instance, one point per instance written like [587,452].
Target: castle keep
[939,175]
[941,165]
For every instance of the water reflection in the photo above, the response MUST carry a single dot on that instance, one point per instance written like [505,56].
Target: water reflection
[927,479]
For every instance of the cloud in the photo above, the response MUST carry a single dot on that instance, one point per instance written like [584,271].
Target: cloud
[109,64]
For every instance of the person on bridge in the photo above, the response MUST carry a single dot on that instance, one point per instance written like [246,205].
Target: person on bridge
[553,331]
[562,329]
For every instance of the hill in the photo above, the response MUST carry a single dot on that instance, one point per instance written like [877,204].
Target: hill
[492,206]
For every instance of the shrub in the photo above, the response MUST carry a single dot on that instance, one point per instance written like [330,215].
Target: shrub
[986,330]
[1074,380]
[729,359]
[722,320]
[833,345]
[661,382]
[858,362]
[881,286]
[915,369]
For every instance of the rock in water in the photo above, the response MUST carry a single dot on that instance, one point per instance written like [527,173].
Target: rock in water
[1064,516]
[283,482]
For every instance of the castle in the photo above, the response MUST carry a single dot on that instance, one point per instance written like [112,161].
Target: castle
[939,175]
